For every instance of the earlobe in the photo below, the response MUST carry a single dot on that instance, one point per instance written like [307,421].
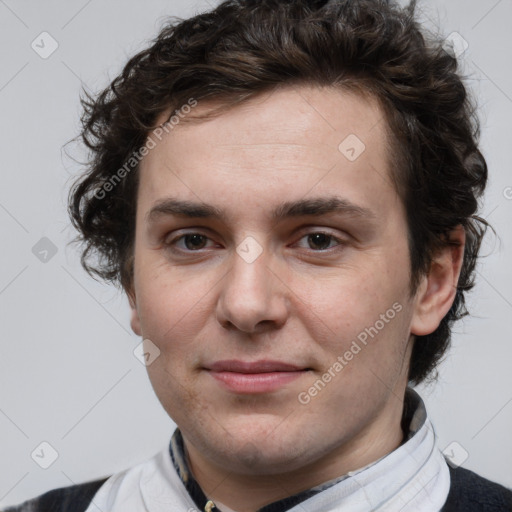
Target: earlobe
[134,315]
[437,291]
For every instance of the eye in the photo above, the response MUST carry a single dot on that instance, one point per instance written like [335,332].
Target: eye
[320,241]
[189,242]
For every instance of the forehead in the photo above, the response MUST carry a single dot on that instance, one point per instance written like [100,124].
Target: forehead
[311,112]
[282,143]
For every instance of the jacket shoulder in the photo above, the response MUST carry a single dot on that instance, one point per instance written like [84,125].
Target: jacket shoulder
[74,498]
[470,492]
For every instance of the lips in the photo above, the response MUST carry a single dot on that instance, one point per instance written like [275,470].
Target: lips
[252,367]
[254,377]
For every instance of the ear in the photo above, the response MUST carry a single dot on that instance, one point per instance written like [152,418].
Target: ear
[436,292]
[134,315]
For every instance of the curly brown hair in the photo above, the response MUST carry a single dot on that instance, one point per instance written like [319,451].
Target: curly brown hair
[246,47]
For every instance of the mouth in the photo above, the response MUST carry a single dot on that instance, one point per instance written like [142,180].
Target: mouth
[254,377]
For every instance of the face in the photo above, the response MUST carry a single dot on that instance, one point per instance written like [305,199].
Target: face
[272,275]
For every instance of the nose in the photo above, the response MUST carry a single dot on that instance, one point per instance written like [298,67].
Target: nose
[252,298]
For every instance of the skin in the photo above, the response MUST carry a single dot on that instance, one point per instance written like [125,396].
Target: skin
[302,301]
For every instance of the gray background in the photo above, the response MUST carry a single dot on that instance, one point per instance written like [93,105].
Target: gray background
[68,375]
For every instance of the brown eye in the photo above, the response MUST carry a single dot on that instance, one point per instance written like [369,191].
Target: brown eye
[319,241]
[194,241]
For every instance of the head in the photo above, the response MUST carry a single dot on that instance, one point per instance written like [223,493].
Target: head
[271,102]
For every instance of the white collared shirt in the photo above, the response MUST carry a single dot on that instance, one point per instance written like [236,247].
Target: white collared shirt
[413,478]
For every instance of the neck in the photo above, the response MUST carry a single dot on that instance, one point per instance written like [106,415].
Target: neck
[250,492]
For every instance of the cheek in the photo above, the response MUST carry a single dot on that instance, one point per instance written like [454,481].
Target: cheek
[165,298]
[176,389]
[343,301]
[368,311]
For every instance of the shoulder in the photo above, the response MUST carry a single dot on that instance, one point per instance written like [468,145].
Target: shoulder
[471,492]
[74,498]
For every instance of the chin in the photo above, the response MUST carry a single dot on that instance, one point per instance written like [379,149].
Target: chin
[258,446]
[251,458]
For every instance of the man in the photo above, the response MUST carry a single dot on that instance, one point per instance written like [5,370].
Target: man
[287,192]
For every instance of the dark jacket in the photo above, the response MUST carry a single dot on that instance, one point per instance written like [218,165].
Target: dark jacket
[468,493]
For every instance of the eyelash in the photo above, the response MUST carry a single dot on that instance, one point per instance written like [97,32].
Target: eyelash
[171,245]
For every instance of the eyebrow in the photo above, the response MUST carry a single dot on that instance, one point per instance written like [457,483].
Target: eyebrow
[303,207]
[321,206]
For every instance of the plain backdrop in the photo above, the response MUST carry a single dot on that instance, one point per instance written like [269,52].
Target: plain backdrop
[68,375]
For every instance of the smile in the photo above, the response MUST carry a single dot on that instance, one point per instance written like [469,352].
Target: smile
[253,378]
